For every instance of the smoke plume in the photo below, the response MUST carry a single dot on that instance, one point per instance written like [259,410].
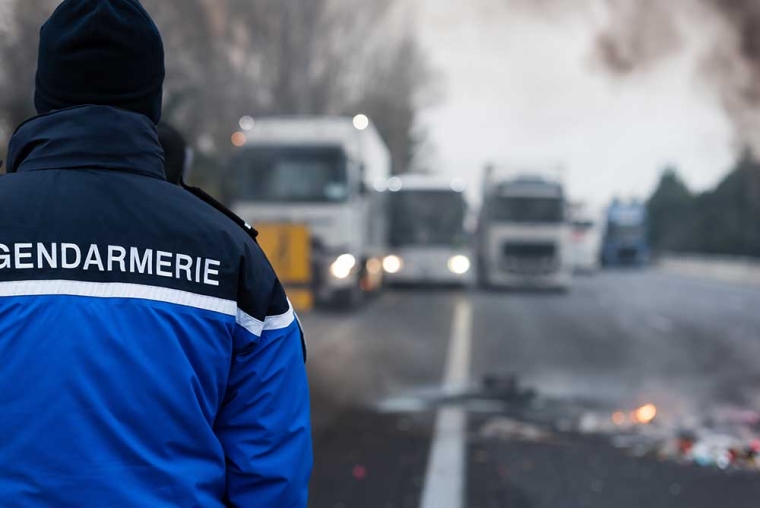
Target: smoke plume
[633,36]
[734,66]
[636,34]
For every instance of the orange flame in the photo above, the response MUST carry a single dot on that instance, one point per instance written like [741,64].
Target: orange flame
[645,414]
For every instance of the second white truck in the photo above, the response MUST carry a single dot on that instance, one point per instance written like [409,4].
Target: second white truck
[427,233]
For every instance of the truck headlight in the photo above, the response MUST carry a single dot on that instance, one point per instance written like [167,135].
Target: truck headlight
[343,266]
[459,265]
[393,264]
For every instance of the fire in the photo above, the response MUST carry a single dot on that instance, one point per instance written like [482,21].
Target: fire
[618,418]
[645,414]
[239,139]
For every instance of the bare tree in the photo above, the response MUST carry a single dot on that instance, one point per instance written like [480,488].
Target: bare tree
[230,58]
[200,81]
[344,57]
[18,52]
[302,52]
[394,88]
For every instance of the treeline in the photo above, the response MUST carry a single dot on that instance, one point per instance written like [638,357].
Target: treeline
[231,58]
[723,221]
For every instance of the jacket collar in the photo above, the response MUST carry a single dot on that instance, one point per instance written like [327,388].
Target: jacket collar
[88,137]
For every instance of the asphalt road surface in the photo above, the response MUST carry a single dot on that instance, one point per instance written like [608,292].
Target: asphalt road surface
[617,340]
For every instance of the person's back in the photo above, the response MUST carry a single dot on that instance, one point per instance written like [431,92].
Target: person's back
[149,354]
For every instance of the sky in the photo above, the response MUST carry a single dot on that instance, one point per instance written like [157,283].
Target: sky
[525,92]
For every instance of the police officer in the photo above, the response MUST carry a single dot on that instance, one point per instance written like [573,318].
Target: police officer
[178,156]
[148,354]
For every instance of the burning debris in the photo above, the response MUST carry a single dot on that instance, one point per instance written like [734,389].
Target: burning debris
[714,443]
[726,438]
[645,414]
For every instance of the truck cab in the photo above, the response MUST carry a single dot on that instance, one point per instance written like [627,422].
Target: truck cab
[626,235]
[523,235]
[320,173]
[586,228]
[428,235]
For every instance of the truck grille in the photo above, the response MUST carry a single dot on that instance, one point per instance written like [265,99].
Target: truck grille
[530,258]
[628,255]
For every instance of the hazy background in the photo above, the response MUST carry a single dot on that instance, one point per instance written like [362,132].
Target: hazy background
[524,85]
[617,93]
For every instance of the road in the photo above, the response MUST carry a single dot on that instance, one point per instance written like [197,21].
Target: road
[617,340]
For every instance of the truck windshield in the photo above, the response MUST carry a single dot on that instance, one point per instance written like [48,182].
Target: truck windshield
[527,210]
[427,218]
[290,175]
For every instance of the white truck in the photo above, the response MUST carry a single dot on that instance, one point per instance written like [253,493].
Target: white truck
[321,172]
[523,236]
[585,239]
[428,238]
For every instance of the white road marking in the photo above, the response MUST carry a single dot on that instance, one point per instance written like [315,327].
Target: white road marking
[444,479]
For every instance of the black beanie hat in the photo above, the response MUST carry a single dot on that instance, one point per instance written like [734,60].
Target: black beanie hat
[104,52]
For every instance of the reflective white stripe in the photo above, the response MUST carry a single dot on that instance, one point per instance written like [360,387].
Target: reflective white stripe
[257,327]
[250,323]
[151,293]
[282,321]
[117,290]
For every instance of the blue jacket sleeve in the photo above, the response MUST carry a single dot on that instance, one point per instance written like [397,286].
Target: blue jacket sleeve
[264,425]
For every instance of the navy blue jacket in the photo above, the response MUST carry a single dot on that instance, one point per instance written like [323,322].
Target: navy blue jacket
[148,355]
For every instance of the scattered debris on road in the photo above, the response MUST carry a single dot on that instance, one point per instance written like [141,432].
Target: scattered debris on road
[508,429]
[725,438]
